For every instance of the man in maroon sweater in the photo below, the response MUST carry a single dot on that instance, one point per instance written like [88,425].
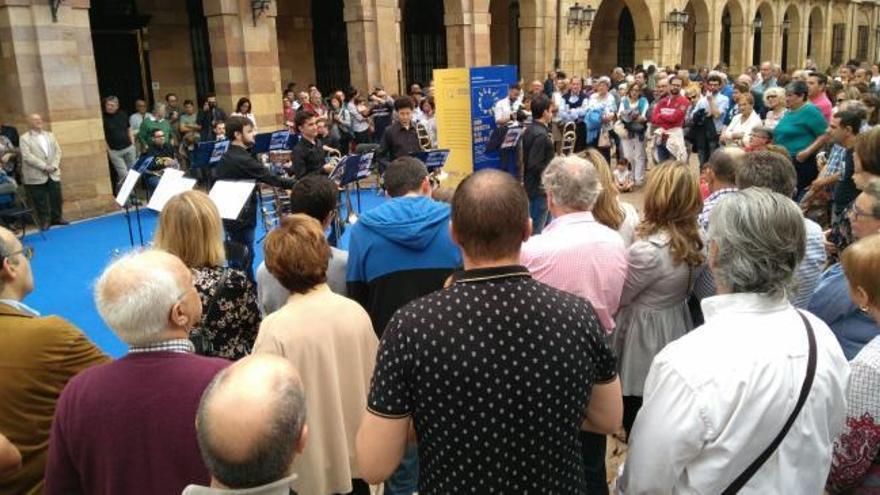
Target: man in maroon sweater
[129,426]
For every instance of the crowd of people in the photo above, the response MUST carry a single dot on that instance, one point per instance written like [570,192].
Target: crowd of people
[728,332]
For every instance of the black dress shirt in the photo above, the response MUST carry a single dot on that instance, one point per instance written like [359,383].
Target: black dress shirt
[308,158]
[239,164]
[538,150]
[397,142]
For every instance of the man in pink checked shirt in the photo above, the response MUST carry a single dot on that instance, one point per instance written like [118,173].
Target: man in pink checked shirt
[577,254]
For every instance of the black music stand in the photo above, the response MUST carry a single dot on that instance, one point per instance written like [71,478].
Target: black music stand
[272,141]
[351,169]
[204,158]
[126,199]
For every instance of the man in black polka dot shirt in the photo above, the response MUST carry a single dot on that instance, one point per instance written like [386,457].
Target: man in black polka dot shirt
[497,373]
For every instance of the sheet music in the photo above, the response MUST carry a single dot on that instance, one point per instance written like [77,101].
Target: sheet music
[231,196]
[171,184]
[127,187]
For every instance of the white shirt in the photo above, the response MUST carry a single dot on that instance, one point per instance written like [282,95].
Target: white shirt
[42,140]
[716,398]
[738,126]
[504,109]
[631,220]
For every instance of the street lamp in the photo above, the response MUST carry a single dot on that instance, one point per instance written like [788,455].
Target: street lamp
[259,7]
[580,16]
[677,19]
[786,25]
[574,16]
[757,24]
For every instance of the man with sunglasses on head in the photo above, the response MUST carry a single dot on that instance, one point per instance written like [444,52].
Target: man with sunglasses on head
[39,355]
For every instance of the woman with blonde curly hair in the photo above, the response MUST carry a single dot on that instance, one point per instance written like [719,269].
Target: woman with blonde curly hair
[663,264]
[609,210]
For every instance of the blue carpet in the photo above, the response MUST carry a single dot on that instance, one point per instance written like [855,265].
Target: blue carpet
[70,259]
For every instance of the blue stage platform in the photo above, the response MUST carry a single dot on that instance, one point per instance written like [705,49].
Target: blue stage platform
[69,260]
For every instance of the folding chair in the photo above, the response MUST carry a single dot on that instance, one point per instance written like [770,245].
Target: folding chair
[14,211]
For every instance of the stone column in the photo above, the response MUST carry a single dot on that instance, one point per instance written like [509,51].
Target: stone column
[740,47]
[467,37]
[374,51]
[532,42]
[296,52]
[245,59]
[49,68]
[771,41]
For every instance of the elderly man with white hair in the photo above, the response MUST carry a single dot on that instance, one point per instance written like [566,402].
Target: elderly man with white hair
[759,381]
[577,254]
[128,426]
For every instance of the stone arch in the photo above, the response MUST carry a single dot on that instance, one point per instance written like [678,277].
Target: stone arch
[605,34]
[734,30]
[793,39]
[695,40]
[816,46]
[767,38]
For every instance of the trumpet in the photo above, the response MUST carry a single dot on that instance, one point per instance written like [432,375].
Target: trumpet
[425,141]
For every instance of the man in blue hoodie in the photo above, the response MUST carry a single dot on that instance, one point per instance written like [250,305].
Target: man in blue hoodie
[401,250]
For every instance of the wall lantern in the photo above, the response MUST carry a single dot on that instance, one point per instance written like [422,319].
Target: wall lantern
[260,7]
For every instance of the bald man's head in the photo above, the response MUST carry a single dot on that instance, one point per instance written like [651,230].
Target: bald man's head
[145,295]
[490,215]
[35,122]
[16,278]
[251,422]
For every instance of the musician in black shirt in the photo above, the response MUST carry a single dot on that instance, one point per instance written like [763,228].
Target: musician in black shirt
[400,138]
[239,164]
[308,156]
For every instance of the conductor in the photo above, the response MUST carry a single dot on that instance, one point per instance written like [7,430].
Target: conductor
[239,164]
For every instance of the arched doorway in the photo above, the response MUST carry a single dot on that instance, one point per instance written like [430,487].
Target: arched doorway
[815,35]
[424,39]
[617,36]
[626,40]
[330,39]
[504,32]
[725,37]
[767,35]
[786,23]
[733,36]
[757,38]
[695,35]
[792,30]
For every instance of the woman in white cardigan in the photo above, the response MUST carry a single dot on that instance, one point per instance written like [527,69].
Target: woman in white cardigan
[737,132]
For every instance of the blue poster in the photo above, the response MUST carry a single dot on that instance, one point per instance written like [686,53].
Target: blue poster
[488,85]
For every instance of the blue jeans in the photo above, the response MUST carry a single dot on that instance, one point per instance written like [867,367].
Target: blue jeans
[663,154]
[405,481]
[538,213]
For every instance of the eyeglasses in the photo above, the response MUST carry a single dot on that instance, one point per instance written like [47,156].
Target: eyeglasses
[26,251]
[771,97]
[158,135]
[840,100]
[857,213]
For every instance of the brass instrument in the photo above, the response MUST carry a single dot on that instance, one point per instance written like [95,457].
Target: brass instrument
[569,138]
[425,141]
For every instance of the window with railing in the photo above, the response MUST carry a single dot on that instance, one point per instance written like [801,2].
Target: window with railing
[838,34]
[862,43]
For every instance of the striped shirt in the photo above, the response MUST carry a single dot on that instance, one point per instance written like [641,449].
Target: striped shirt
[174,345]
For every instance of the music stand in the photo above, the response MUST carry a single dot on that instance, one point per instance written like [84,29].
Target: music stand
[351,169]
[123,199]
[271,141]
[433,159]
[205,158]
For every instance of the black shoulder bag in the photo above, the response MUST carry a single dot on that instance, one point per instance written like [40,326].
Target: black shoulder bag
[753,468]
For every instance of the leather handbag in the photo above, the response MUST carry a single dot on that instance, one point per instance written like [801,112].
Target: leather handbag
[753,468]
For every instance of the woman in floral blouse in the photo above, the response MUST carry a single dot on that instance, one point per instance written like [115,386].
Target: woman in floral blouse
[855,464]
[190,228]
